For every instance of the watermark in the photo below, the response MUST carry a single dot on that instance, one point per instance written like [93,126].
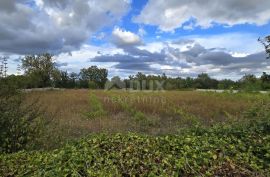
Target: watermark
[136,99]
[136,85]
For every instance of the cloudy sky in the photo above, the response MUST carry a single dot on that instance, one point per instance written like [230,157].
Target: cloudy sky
[176,37]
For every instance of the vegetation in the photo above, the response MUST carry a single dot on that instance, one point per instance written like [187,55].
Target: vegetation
[19,122]
[239,149]
[77,113]
[125,132]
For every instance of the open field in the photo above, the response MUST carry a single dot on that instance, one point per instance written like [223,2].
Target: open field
[172,133]
[76,113]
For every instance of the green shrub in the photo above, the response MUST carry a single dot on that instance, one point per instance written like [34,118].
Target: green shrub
[19,123]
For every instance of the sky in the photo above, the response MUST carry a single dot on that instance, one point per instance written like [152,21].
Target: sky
[176,37]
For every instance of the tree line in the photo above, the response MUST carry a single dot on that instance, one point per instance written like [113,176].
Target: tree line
[41,71]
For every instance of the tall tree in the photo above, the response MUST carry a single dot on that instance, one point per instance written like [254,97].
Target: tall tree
[94,74]
[39,68]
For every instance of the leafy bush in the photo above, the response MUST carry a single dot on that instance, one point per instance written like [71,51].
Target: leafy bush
[19,123]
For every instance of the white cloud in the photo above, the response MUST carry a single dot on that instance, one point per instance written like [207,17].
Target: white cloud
[54,25]
[232,42]
[81,58]
[121,37]
[171,14]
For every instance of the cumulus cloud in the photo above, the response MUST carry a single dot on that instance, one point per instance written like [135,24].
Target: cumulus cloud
[171,14]
[34,26]
[184,58]
[121,37]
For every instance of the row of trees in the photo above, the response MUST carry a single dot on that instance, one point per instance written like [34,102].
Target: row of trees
[203,81]
[41,71]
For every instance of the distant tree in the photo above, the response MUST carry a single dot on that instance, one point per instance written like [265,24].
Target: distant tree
[61,79]
[203,81]
[142,80]
[226,84]
[266,44]
[249,82]
[189,82]
[117,82]
[40,69]
[73,79]
[265,78]
[94,74]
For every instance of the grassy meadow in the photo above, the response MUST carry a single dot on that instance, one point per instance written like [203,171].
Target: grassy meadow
[170,133]
[72,114]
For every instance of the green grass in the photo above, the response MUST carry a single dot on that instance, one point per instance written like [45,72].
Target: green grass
[96,108]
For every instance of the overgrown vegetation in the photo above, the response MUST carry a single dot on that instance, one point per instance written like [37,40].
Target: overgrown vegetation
[238,149]
[19,122]
[154,113]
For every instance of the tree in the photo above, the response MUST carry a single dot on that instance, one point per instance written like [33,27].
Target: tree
[73,79]
[115,82]
[249,82]
[141,78]
[266,44]
[39,68]
[203,81]
[61,79]
[265,78]
[226,84]
[94,74]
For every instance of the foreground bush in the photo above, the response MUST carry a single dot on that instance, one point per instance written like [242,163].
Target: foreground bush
[19,123]
[239,149]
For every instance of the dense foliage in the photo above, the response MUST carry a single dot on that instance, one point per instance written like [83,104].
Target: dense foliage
[238,149]
[19,123]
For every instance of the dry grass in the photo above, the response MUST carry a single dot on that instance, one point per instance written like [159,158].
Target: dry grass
[164,112]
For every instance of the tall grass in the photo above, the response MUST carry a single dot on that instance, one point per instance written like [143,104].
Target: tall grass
[153,113]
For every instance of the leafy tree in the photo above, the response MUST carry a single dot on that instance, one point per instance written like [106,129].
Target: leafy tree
[94,74]
[39,68]
[265,78]
[115,82]
[203,81]
[73,79]
[61,79]
[226,84]
[249,82]
[141,78]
